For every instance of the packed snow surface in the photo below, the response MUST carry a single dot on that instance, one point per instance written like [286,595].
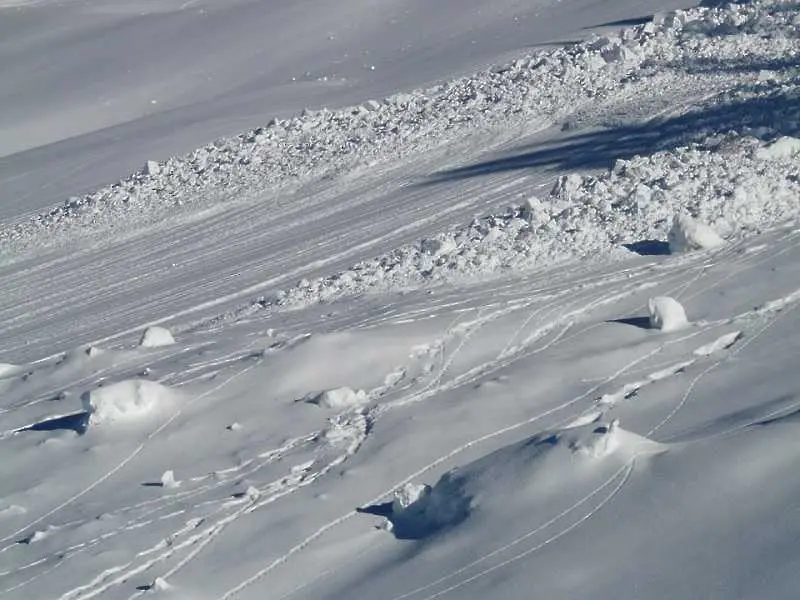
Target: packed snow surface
[507,318]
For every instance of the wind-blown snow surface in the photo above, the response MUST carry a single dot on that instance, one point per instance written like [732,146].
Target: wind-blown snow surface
[465,395]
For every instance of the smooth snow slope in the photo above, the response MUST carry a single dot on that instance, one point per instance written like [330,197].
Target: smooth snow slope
[90,90]
[409,351]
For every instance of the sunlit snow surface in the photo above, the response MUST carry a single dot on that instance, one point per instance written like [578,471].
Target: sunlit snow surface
[418,348]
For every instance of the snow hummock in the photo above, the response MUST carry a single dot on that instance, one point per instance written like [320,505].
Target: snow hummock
[666,314]
[688,234]
[155,337]
[545,465]
[341,397]
[125,401]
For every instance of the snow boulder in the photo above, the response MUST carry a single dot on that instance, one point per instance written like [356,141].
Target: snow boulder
[155,337]
[343,397]
[688,234]
[126,401]
[666,314]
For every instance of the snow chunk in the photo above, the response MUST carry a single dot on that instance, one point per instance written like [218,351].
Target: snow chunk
[666,314]
[154,337]
[8,370]
[151,167]
[343,397]
[409,493]
[125,401]
[784,147]
[688,234]
[168,480]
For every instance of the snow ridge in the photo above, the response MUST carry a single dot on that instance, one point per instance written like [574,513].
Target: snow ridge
[725,182]
[323,143]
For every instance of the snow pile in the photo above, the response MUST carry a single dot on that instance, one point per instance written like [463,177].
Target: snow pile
[343,397]
[545,86]
[126,401]
[725,181]
[688,234]
[155,337]
[517,477]
[666,314]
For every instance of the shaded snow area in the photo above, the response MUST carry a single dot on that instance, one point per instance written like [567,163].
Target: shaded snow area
[530,332]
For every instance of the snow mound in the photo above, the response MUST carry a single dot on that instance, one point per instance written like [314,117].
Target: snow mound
[688,234]
[8,370]
[155,337]
[545,464]
[126,401]
[343,397]
[666,314]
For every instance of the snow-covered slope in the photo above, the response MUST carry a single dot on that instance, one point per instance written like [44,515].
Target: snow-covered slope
[529,330]
[93,89]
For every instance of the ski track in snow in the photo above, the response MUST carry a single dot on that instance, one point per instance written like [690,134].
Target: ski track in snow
[435,386]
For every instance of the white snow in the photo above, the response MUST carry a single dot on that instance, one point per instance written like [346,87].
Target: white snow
[666,314]
[156,337]
[688,234]
[125,401]
[342,397]
[461,261]
[168,480]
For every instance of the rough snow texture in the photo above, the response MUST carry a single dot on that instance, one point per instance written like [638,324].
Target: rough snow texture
[724,181]
[666,314]
[343,397]
[688,234]
[155,337]
[125,401]
[542,87]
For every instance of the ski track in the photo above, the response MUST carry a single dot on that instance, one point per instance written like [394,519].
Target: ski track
[316,535]
[465,330]
[471,327]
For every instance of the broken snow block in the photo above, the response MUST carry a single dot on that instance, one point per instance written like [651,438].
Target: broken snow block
[688,234]
[666,314]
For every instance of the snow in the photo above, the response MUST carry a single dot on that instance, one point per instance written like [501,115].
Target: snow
[688,234]
[507,317]
[666,314]
[126,401]
[156,337]
[342,397]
